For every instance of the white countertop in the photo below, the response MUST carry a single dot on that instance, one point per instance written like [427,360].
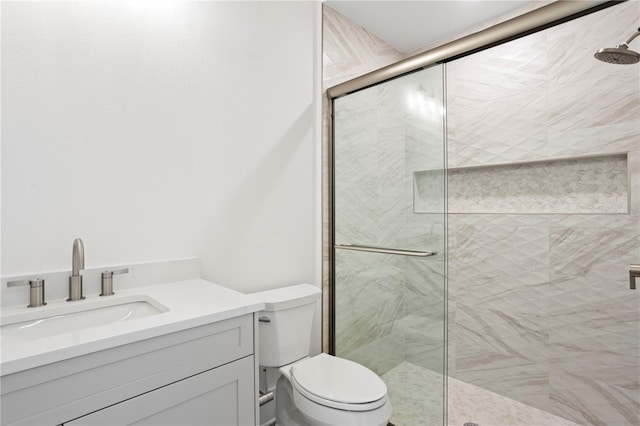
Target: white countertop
[190,303]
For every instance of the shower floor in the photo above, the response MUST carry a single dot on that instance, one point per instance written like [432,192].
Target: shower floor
[414,406]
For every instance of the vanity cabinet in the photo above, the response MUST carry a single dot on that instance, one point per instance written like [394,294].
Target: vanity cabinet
[205,374]
[222,396]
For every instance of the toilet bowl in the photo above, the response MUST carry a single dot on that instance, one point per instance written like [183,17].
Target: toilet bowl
[322,390]
[326,390]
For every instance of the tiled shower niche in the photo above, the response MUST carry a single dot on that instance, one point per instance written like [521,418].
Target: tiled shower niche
[587,185]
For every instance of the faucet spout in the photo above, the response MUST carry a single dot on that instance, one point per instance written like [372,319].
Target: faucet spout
[77,263]
[77,258]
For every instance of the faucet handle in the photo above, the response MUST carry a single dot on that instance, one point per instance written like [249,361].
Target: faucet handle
[18,283]
[36,291]
[117,271]
[107,281]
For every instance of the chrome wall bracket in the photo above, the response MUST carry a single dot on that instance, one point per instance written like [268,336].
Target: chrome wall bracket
[634,272]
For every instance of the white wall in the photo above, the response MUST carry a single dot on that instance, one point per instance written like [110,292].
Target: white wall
[157,130]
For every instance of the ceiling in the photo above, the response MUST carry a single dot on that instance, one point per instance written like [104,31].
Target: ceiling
[409,25]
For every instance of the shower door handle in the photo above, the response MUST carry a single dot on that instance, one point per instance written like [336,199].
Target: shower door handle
[634,272]
[402,252]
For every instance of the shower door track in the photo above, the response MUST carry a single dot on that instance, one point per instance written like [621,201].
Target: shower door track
[401,252]
[536,20]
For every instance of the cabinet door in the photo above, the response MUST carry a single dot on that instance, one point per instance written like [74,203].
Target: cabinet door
[222,396]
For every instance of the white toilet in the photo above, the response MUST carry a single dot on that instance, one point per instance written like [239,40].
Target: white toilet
[322,390]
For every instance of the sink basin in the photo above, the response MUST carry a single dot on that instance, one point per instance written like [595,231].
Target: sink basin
[39,323]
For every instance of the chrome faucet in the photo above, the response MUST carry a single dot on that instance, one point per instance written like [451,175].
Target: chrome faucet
[77,263]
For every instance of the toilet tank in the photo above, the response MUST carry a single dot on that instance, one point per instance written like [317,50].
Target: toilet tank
[286,336]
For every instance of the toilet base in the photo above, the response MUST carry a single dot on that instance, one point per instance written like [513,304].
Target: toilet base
[286,412]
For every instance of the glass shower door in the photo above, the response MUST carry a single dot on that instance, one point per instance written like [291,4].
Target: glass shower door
[389,232]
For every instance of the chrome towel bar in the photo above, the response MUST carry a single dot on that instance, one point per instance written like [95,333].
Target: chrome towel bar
[402,252]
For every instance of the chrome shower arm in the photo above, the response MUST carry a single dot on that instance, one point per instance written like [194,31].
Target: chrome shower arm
[630,39]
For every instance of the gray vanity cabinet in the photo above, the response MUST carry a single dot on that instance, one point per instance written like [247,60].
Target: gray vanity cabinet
[206,374]
[222,396]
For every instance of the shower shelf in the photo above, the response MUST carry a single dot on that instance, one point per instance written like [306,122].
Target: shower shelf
[576,185]
[544,161]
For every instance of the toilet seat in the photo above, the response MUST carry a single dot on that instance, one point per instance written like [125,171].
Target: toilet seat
[338,383]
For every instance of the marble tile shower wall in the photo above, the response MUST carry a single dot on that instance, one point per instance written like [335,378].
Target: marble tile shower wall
[425,282]
[348,50]
[389,308]
[369,163]
[539,304]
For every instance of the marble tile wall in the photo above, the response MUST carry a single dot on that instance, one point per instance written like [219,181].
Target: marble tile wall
[370,288]
[425,281]
[389,308]
[539,304]
[390,324]
[370,306]
[348,50]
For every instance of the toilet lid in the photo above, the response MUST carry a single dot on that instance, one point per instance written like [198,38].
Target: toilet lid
[338,380]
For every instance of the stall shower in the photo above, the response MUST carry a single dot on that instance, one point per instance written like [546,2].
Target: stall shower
[486,211]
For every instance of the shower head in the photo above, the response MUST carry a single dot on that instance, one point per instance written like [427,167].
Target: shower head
[620,54]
